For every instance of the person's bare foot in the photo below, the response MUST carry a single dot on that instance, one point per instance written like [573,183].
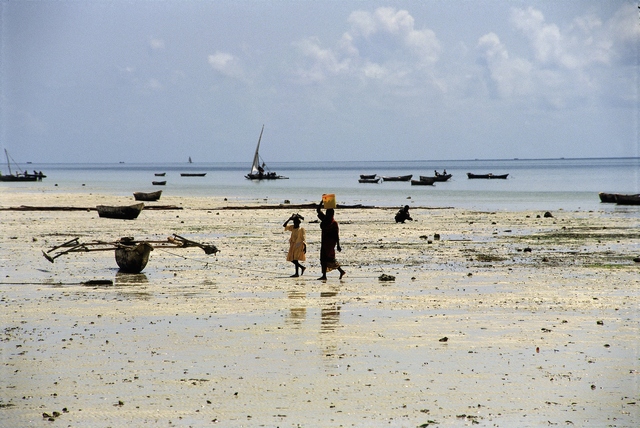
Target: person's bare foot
[302,269]
[295,275]
[322,278]
[342,274]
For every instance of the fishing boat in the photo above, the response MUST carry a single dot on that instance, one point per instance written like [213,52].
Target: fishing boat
[193,174]
[440,177]
[488,176]
[397,178]
[369,180]
[158,183]
[609,198]
[128,212]
[19,176]
[424,181]
[160,174]
[258,171]
[150,196]
[131,256]
[368,176]
[628,199]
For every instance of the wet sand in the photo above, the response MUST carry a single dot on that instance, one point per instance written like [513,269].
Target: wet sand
[540,317]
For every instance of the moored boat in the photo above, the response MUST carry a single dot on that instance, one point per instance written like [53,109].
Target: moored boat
[369,180]
[428,181]
[127,212]
[628,199]
[193,174]
[609,198]
[441,177]
[397,178]
[160,174]
[368,176]
[19,176]
[150,196]
[158,183]
[489,176]
[258,171]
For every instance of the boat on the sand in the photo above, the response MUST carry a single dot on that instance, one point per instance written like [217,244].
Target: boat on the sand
[147,196]
[127,212]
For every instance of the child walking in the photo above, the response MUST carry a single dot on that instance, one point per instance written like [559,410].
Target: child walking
[297,244]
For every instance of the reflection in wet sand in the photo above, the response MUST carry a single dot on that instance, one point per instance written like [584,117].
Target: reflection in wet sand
[330,312]
[296,315]
[132,280]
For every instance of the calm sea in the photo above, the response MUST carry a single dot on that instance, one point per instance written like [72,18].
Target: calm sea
[540,184]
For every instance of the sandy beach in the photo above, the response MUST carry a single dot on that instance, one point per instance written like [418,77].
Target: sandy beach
[503,319]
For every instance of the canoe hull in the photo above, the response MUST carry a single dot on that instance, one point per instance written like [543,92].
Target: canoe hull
[133,258]
[151,196]
[398,178]
[488,176]
[129,212]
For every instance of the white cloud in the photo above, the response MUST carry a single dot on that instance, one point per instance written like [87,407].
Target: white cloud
[156,44]
[382,45]
[226,64]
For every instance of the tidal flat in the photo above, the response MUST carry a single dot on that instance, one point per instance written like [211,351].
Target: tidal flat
[491,319]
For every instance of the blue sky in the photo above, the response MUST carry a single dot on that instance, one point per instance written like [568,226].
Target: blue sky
[159,81]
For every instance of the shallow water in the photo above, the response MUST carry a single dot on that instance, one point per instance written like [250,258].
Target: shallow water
[550,184]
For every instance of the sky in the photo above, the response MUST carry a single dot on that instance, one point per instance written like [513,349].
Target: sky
[161,81]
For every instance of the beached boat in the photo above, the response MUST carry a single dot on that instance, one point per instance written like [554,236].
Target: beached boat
[131,255]
[19,176]
[368,176]
[369,180]
[193,174]
[489,176]
[428,181]
[397,178]
[127,212]
[150,196]
[158,183]
[160,174]
[258,171]
[628,199]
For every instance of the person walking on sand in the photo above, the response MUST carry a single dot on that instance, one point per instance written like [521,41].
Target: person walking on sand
[297,243]
[330,241]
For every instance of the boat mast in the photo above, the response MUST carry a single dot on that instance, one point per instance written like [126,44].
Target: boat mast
[8,163]
[256,156]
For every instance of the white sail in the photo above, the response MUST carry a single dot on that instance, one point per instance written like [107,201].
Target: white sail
[255,167]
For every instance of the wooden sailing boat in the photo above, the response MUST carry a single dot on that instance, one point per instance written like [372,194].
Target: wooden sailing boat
[258,171]
[19,176]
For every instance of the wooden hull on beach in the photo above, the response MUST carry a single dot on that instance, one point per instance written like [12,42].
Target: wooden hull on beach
[150,196]
[128,212]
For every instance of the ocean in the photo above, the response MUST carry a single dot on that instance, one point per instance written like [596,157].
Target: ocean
[532,184]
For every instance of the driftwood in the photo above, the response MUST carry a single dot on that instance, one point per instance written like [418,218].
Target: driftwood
[313,206]
[50,208]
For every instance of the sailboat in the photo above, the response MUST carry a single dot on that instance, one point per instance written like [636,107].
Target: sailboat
[258,169]
[19,176]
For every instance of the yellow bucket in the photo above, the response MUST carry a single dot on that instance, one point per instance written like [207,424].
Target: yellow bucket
[329,200]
